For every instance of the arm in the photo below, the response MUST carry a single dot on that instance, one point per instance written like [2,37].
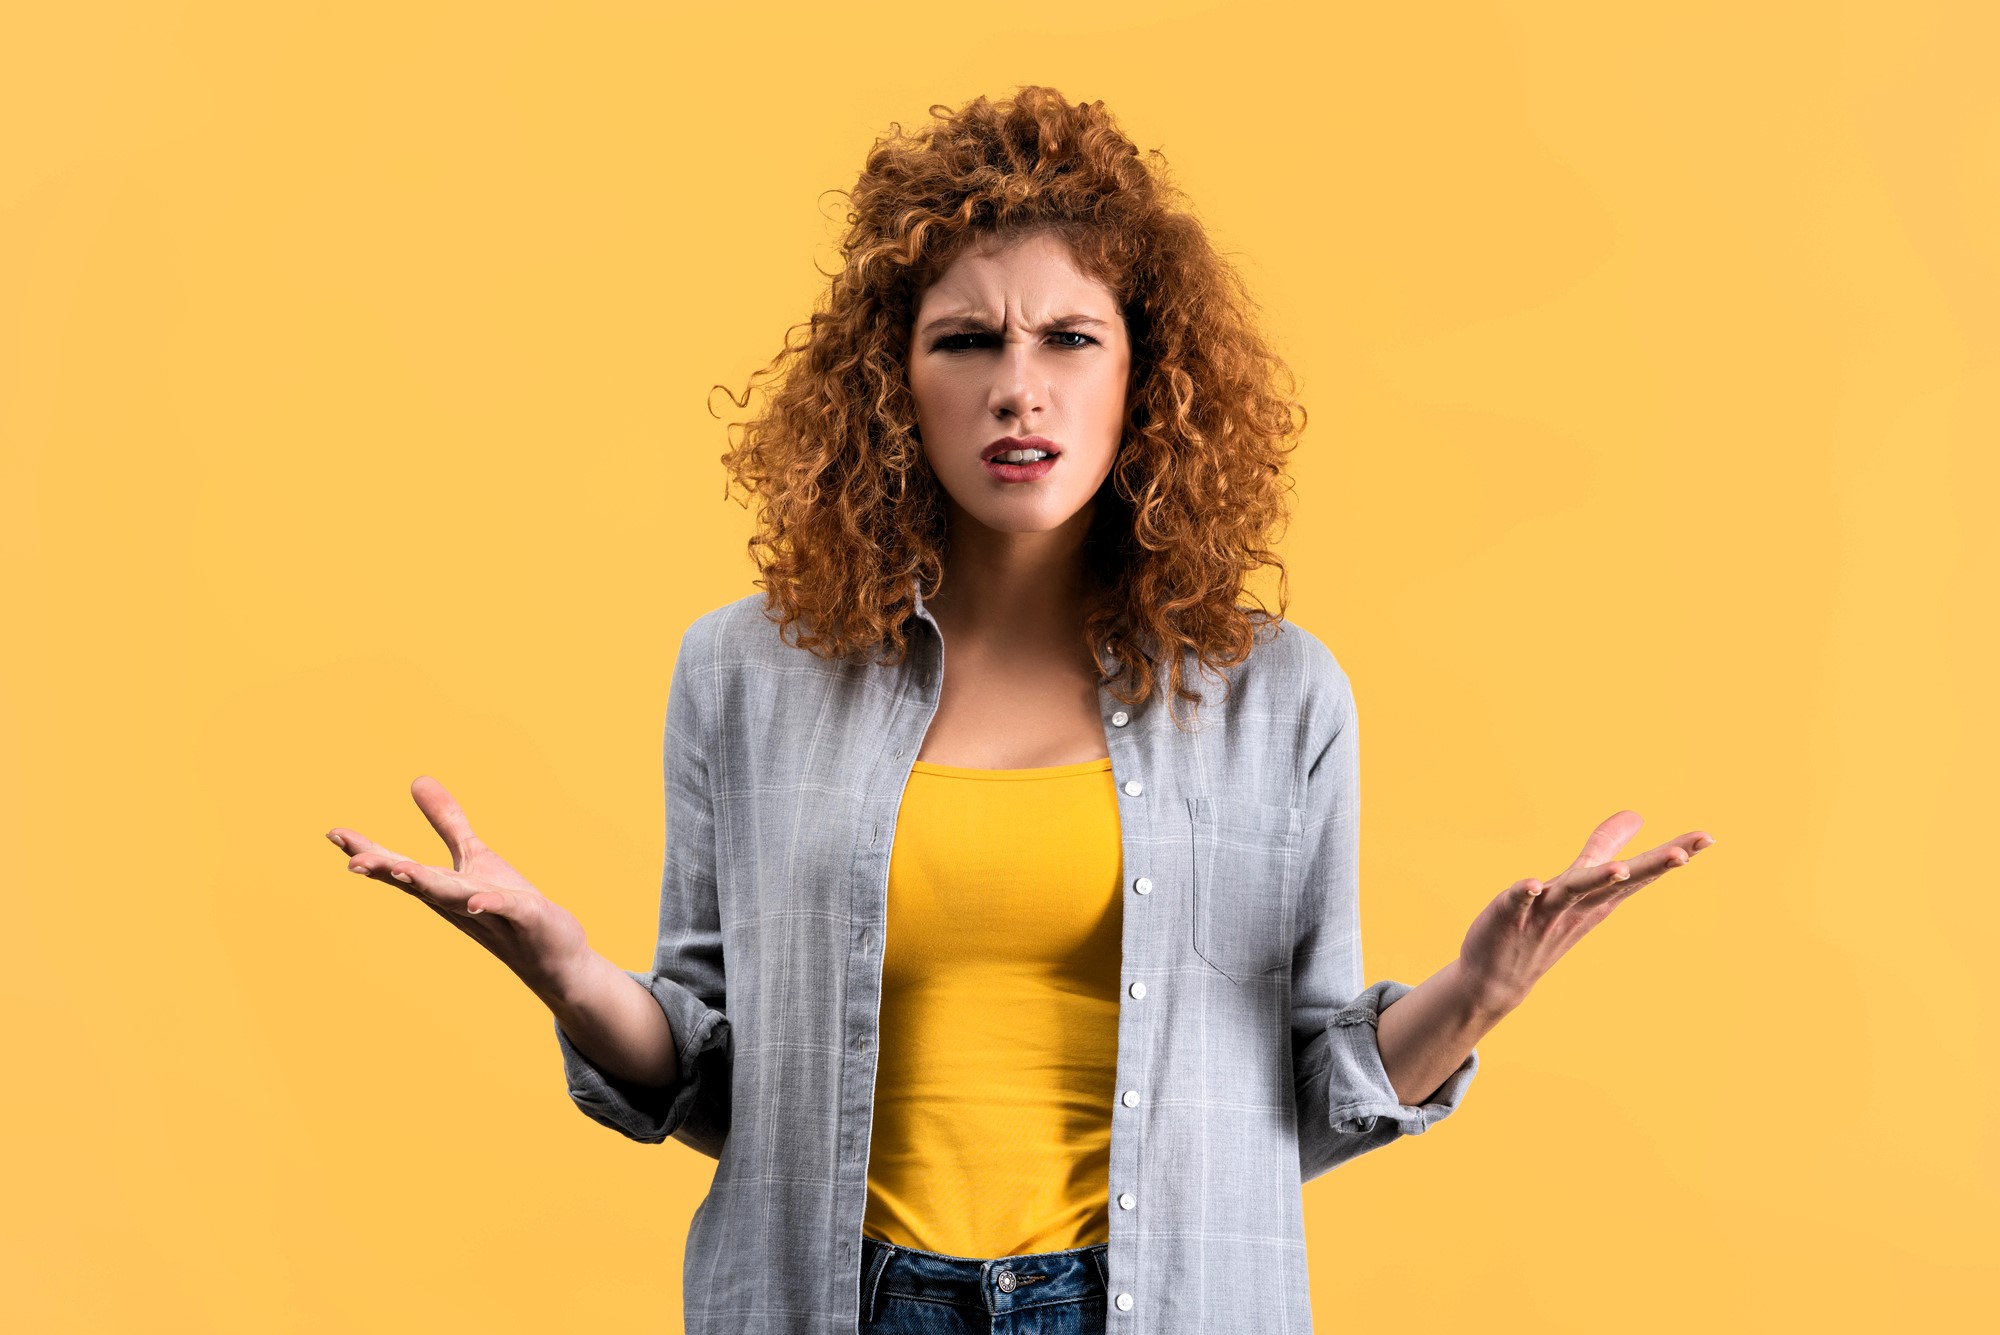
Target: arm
[1428,1033]
[668,1073]
[1348,1104]
[617,1027]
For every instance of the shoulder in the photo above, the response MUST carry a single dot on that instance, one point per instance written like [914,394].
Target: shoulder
[717,644]
[1322,701]
[1291,665]
[739,651]
[732,630]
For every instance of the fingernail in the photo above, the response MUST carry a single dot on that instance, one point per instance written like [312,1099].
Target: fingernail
[359,871]
[476,910]
[336,842]
[399,876]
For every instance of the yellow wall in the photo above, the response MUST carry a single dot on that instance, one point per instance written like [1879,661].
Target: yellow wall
[354,365]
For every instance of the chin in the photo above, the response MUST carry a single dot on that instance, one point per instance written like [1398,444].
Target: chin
[1041,518]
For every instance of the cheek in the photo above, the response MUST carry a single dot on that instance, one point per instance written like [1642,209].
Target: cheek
[1109,395]
[936,393]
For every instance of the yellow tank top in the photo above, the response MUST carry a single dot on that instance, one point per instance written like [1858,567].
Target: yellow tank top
[999,1034]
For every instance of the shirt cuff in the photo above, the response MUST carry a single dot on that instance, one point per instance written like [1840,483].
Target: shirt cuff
[651,1114]
[1360,1094]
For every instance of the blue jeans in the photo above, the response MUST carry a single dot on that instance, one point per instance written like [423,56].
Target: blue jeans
[908,1292]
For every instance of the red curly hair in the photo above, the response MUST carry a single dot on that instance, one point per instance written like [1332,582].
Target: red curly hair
[852,515]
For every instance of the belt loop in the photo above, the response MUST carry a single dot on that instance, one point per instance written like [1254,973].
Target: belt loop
[871,1280]
[1103,1268]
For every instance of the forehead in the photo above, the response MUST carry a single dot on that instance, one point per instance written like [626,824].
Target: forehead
[1026,273]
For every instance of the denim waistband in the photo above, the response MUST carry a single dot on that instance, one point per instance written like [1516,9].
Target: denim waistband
[995,1286]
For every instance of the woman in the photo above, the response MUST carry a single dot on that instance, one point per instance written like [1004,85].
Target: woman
[1012,996]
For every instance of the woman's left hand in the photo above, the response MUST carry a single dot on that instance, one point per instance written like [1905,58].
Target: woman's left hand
[1533,923]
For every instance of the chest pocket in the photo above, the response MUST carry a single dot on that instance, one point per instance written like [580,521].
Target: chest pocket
[1247,869]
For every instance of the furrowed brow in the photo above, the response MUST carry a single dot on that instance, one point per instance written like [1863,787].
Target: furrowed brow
[978,324]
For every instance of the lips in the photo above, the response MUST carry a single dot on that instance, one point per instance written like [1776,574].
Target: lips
[1003,472]
[1006,443]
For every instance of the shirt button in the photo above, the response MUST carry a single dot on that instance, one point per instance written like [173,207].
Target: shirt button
[1133,788]
[1120,719]
[1126,1202]
[1131,1098]
[1124,1302]
[1144,885]
[1139,990]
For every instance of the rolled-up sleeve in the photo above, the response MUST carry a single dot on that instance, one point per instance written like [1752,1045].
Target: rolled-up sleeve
[687,977]
[1346,1105]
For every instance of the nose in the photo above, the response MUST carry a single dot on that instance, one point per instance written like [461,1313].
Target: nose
[1015,391]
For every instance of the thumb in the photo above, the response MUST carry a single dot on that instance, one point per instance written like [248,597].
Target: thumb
[496,902]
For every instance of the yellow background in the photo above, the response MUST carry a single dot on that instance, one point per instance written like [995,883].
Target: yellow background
[354,381]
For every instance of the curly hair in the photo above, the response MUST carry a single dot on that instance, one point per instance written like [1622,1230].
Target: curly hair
[852,516]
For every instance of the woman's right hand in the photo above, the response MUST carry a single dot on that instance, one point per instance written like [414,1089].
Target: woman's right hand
[482,895]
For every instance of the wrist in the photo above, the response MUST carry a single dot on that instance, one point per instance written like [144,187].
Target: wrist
[565,988]
[1486,1000]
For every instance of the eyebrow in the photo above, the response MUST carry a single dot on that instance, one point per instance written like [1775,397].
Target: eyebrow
[976,323]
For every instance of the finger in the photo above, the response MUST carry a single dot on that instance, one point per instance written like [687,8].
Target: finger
[364,856]
[1657,862]
[442,810]
[1525,895]
[1579,883]
[488,903]
[1649,868]
[439,887]
[1612,834]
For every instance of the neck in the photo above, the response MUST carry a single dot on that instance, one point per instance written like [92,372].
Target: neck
[1012,591]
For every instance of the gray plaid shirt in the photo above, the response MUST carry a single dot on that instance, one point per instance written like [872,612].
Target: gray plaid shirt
[1248,1067]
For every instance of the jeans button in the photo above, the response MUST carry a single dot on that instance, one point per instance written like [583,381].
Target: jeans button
[1006,1281]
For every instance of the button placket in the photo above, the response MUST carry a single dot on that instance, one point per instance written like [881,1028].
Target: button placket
[1142,885]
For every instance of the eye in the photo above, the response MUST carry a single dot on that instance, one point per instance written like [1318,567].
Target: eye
[967,341]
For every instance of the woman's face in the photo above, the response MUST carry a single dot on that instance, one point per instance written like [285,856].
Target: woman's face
[1014,341]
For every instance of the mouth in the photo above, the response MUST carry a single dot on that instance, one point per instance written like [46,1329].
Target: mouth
[1006,472]
[1020,449]
[1020,458]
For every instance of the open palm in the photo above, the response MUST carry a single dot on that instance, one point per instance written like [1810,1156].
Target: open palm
[1532,923]
[482,894]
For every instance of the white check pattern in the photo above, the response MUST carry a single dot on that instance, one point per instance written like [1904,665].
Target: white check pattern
[1249,1067]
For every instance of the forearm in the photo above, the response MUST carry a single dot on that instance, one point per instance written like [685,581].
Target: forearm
[1427,1033]
[616,1023]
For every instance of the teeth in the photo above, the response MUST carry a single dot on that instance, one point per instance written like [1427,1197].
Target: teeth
[1020,456]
